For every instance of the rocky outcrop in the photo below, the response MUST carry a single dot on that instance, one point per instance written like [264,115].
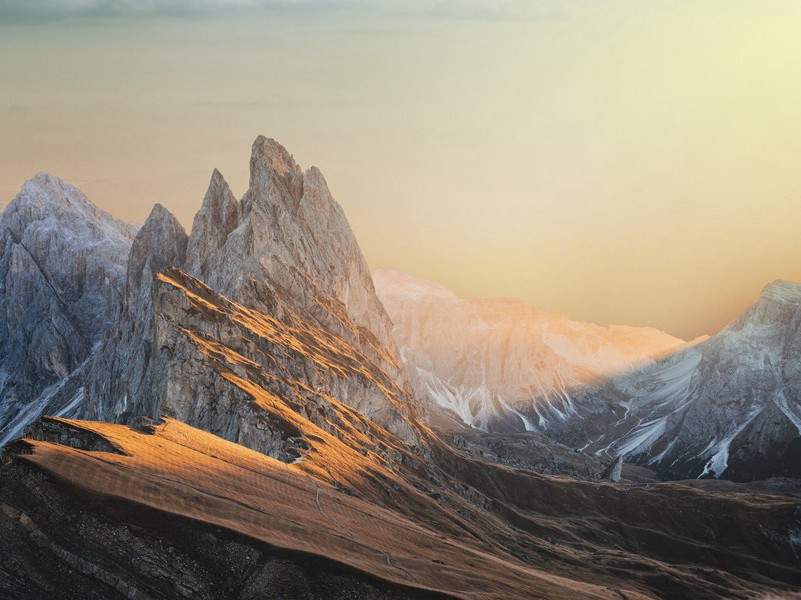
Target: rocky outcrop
[62,280]
[768,446]
[262,328]
[284,287]
[289,230]
[122,381]
[614,471]
[286,251]
[97,544]
[98,510]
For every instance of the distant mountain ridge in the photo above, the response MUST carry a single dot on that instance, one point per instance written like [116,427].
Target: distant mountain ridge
[503,365]
[727,406]
[730,406]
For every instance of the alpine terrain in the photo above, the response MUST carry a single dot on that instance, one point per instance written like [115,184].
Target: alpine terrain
[238,412]
[727,406]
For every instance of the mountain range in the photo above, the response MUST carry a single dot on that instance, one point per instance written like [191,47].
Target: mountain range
[243,411]
[726,406]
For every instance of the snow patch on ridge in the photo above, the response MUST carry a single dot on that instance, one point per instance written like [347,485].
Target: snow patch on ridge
[643,437]
[719,461]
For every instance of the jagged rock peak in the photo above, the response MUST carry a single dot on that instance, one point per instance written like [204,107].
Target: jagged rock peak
[161,243]
[62,282]
[270,152]
[274,174]
[216,219]
[778,305]
[44,189]
[287,229]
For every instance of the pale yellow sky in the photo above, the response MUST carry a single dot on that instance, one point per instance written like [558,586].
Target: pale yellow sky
[633,162]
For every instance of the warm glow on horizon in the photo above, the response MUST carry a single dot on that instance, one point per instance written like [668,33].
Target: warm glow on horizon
[633,163]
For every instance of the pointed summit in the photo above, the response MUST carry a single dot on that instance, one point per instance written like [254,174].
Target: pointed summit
[287,229]
[161,243]
[62,273]
[216,219]
[274,174]
[45,189]
[267,151]
[120,377]
[782,291]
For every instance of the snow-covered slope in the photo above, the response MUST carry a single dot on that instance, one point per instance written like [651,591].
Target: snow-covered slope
[503,365]
[726,406]
[730,406]
[62,275]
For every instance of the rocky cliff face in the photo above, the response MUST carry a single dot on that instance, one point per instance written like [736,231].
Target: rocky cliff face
[287,229]
[502,365]
[261,326]
[122,381]
[276,282]
[62,280]
[285,252]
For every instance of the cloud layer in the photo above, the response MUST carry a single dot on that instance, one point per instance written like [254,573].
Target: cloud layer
[15,10]
[45,9]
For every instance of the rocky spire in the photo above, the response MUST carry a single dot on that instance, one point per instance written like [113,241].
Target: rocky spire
[274,175]
[286,251]
[614,471]
[121,382]
[216,219]
[161,243]
[288,230]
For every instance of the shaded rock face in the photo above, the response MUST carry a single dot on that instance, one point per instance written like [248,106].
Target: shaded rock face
[203,356]
[122,374]
[285,251]
[729,407]
[62,280]
[614,471]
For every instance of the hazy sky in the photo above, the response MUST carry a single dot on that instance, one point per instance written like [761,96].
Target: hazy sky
[634,162]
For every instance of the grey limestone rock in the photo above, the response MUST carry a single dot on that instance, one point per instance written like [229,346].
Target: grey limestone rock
[62,280]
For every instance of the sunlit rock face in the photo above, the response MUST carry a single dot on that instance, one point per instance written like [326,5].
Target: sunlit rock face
[62,282]
[275,285]
[287,229]
[503,365]
[730,406]
[111,341]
